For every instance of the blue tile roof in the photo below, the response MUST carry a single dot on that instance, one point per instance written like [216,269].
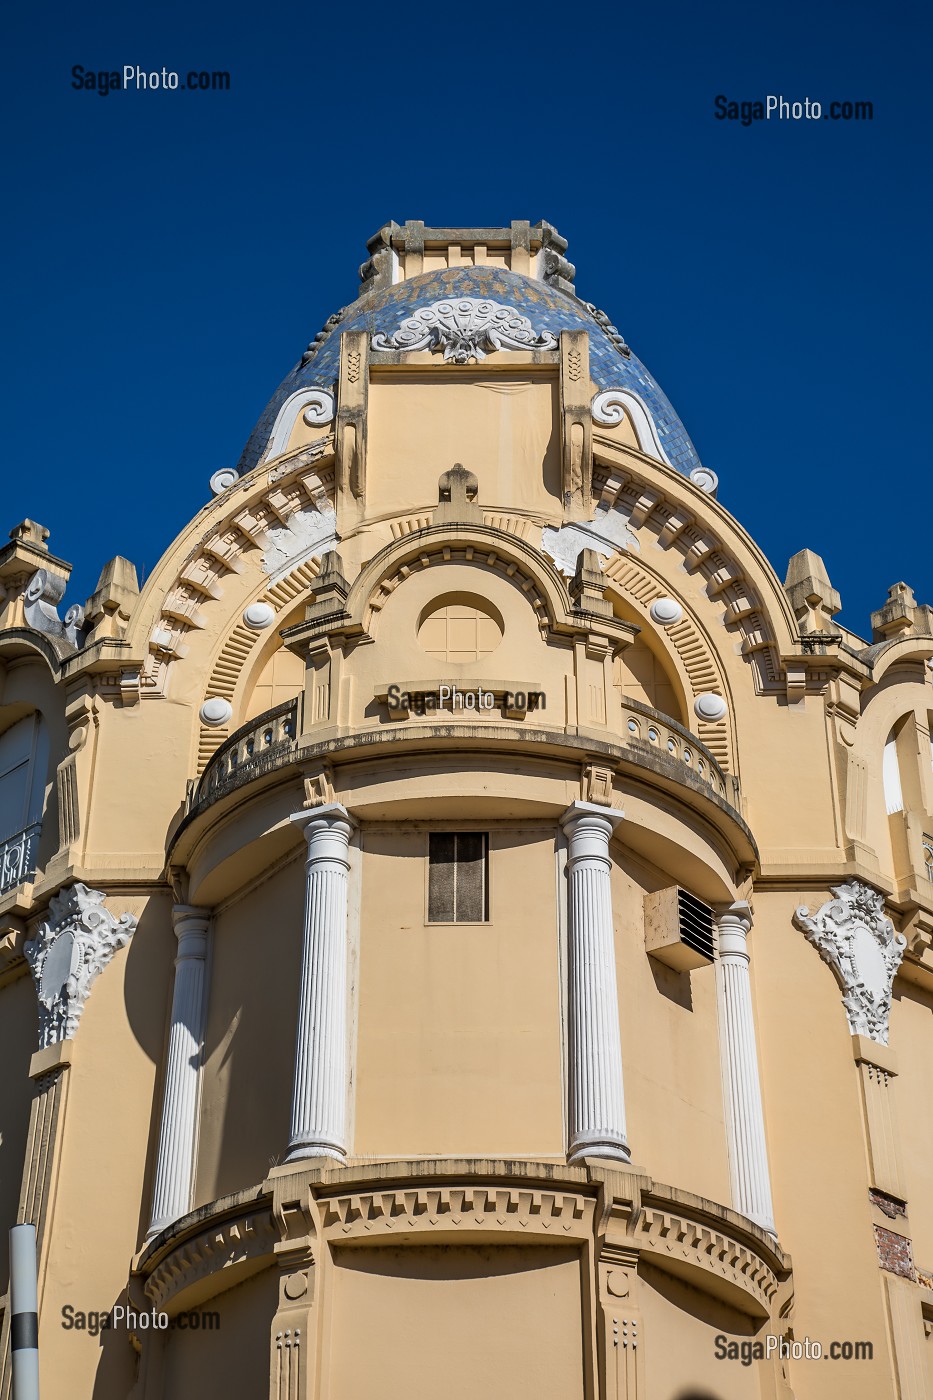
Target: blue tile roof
[546,307]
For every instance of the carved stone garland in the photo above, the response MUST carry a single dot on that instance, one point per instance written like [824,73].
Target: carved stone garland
[858,942]
[465,329]
[70,949]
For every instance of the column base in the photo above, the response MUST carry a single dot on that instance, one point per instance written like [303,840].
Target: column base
[615,1149]
[302,1151]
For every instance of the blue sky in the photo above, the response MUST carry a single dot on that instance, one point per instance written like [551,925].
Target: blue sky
[169,255]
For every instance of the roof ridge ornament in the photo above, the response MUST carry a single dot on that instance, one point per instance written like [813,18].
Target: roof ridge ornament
[464,328]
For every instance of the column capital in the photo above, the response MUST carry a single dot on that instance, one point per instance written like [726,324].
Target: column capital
[578,809]
[734,922]
[329,815]
[191,923]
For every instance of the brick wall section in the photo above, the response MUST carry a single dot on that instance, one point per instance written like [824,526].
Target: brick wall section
[890,1205]
[894,1252]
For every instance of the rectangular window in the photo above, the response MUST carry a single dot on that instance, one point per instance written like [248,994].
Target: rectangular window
[458,877]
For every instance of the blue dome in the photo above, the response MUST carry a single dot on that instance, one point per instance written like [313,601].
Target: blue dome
[547,308]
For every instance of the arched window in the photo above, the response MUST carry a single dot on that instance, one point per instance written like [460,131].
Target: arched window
[891,772]
[24,756]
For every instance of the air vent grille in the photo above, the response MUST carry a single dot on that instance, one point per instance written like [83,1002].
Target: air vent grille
[680,929]
[696,925]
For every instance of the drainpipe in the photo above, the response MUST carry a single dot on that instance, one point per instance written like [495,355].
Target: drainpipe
[24,1313]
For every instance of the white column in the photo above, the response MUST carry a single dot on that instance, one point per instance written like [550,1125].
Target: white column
[745,1124]
[319,1101]
[597,1105]
[174,1172]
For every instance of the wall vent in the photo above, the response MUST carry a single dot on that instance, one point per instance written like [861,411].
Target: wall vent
[680,930]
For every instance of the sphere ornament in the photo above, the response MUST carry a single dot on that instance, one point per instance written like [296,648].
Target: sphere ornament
[216,710]
[258,616]
[710,707]
[666,611]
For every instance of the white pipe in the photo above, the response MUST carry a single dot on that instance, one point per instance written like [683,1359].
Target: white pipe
[24,1313]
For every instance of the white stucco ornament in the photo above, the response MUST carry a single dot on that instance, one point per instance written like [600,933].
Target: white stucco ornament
[259,615]
[857,941]
[706,479]
[70,950]
[319,408]
[666,611]
[222,480]
[465,328]
[710,707]
[216,710]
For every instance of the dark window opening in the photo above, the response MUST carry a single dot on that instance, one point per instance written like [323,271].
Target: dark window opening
[458,877]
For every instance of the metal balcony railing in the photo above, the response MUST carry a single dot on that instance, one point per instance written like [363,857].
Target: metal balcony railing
[18,857]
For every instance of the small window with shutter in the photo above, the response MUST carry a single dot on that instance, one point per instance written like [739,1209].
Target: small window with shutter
[458,877]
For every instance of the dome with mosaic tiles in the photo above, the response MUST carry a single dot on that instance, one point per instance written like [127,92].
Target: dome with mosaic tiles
[548,303]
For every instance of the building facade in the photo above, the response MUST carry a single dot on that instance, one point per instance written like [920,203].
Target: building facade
[467,925]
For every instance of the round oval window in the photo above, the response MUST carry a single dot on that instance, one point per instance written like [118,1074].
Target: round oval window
[459,629]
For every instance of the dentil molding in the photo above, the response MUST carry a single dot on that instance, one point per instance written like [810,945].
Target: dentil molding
[857,940]
[70,949]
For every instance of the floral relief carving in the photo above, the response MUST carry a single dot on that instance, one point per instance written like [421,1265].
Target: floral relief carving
[855,938]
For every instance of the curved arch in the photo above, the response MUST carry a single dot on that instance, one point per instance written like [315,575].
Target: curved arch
[739,578]
[896,652]
[546,590]
[21,641]
[688,648]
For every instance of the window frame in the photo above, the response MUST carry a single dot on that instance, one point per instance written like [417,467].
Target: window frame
[460,830]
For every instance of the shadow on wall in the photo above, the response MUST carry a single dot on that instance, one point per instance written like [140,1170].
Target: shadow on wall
[696,1395]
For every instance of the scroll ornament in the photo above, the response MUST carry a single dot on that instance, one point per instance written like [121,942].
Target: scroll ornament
[465,329]
[70,949]
[858,942]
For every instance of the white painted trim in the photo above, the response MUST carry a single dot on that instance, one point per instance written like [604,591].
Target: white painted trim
[317,398]
[612,405]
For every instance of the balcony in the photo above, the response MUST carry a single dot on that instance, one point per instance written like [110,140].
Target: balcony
[259,747]
[649,740]
[18,857]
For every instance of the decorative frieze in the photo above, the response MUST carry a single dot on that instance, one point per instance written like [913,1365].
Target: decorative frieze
[70,950]
[855,938]
[459,1208]
[464,329]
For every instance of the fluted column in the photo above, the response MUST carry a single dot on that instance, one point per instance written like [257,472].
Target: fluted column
[745,1124]
[597,1105]
[174,1172]
[319,1101]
